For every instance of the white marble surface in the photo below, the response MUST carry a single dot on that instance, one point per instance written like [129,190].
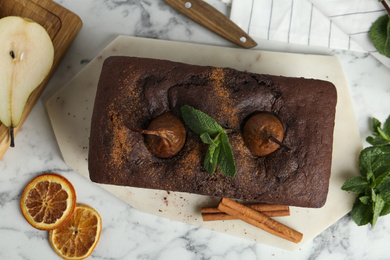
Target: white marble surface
[128,233]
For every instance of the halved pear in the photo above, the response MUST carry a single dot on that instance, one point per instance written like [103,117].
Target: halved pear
[26,57]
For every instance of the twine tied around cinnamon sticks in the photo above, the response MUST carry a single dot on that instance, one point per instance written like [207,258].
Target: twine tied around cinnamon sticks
[257,215]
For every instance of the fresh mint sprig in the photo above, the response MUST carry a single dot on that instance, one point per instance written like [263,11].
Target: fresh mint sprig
[219,152]
[373,186]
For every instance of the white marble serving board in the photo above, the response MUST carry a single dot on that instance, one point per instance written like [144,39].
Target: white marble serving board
[70,111]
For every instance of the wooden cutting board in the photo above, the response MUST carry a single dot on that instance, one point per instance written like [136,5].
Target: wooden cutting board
[70,111]
[62,26]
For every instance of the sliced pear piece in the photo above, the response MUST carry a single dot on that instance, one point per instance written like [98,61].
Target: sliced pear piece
[26,57]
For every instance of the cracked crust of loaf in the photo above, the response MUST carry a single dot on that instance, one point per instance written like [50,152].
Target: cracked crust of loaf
[133,91]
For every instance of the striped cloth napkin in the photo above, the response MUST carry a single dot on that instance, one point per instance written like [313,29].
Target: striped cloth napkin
[334,24]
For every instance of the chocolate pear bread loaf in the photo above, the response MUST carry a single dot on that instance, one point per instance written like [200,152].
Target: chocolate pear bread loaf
[133,91]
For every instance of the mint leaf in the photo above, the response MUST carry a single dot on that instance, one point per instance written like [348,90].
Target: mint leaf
[385,210]
[375,125]
[382,183]
[226,158]
[356,185]
[383,135]
[373,195]
[374,161]
[211,159]
[377,141]
[365,199]
[369,161]
[206,138]
[386,127]
[386,196]
[384,160]
[380,35]
[200,122]
[361,213]
[377,208]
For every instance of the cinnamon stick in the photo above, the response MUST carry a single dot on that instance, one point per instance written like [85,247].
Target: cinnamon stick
[259,220]
[270,210]
[223,216]
[256,206]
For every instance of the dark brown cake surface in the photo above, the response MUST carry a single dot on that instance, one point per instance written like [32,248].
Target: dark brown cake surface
[133,91]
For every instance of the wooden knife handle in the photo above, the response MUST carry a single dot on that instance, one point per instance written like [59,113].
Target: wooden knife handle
[209,17]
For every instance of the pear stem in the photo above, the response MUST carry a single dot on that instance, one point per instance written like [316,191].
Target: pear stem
[273,139]
[387,7]
[146,132]
[12,136]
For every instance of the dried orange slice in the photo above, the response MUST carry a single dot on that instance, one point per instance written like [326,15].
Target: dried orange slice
[77,238]
[48,201]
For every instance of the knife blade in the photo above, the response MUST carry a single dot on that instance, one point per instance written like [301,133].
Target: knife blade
[209,17]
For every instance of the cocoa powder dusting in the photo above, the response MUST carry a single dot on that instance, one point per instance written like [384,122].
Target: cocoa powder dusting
[192,158]
[223,98]
[120,141]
